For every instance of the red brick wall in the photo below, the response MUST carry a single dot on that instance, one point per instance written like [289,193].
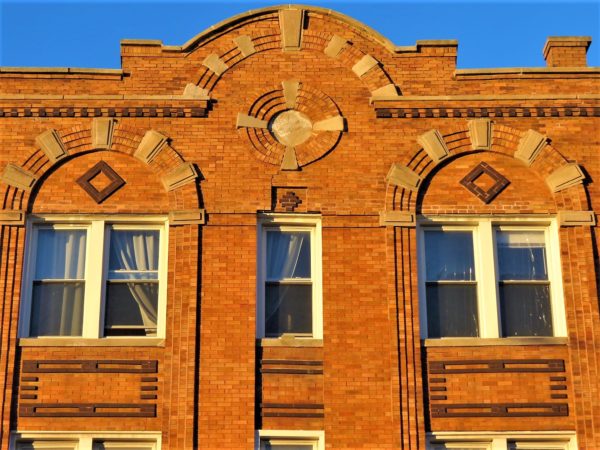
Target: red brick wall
[373,385]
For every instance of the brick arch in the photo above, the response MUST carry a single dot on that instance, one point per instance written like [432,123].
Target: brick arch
[368,70]
[54,148]
[408,180]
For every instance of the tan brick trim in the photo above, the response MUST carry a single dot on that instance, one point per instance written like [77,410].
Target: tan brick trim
[480,132]
[576,218]
[102,132]
[434,145]
[51,144]
[152,144]
[183,174]
[18,177]
[12,217]
[187,217]
[564,177]
[402,176]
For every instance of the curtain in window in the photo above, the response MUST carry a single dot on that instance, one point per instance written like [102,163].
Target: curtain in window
[58,287]
[134,256]
[288,306]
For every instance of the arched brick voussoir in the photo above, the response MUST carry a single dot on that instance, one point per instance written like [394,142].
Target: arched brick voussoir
[367,69]
[55,148]
[565,180]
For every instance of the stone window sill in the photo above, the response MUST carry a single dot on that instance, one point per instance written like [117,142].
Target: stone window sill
[289,341]
[482,342]
[83,342]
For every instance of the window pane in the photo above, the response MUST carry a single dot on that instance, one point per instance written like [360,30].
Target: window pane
[525,310]
[521,255]
[132,252]
[449,255]
[268,446]
[57,309]
[131,309]
[452,310]
[288,309]
[288,254]
[60,254]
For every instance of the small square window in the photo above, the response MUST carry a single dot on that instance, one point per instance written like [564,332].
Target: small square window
[90,272]
[289,286]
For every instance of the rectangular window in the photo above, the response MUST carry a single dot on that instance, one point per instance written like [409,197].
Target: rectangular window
[289,287]
[502,441]
[41,440]
[290,440]
[490,279]
[88,273]
[451,285]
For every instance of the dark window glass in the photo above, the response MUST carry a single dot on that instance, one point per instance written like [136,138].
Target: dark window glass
[452,310]
[288,309]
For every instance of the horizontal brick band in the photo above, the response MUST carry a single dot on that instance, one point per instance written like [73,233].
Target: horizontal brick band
[500,410]
[497,366]
[87,410]
[516,111]
[134,111]
[89,366]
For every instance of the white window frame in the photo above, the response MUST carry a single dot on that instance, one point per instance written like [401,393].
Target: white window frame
[485,256]
[86,440]
[98,228]
[314,437]
[548,440]
[290,222]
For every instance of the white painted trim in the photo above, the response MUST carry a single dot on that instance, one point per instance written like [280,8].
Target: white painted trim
[84,439]
[500,440]
[484,248]
[290,222]
[318,436]
[98,229]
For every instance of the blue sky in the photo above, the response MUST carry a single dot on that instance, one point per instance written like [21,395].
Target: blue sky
[505,33]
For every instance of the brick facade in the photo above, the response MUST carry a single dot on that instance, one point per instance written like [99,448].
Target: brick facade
[211,164]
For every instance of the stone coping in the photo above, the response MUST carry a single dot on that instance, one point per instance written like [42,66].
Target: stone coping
[99,97]
[67,70]
[527,71]
[476,97]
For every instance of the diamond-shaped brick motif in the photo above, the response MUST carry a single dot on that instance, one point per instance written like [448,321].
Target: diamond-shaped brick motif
[290,201]
[483,194]
[115,182]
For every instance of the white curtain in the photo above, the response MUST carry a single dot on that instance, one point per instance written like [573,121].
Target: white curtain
[283,255]
[137,251]
[57,308]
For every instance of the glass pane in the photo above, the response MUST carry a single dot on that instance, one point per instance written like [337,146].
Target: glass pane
[521,255]
[449,255]
[525,310]
[452,310]
[288,309]
[131,309]
[60,254]
[288,254]
[134,254]
[268,446]
[57,309]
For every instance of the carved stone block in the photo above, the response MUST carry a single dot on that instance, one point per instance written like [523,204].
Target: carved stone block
[216,64]
[183,174]
[102,132]
[480,132]
[530,146]
[402,176]
[51,144]
[564,177]
[434,145]
[151,145]
[291,22]
[18,177]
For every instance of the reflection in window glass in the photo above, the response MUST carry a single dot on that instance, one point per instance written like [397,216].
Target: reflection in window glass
[451,288]
[523,283]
